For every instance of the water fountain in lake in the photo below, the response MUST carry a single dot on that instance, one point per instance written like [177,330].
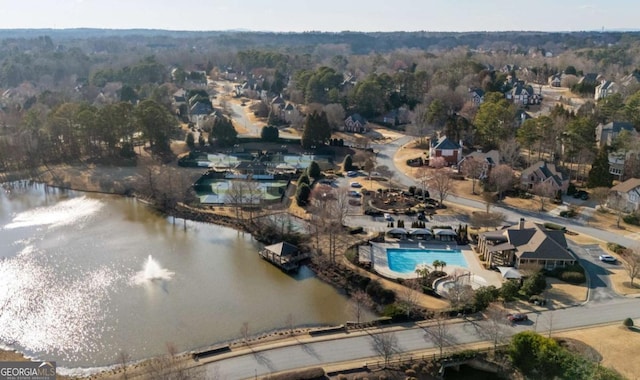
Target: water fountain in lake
[152,271]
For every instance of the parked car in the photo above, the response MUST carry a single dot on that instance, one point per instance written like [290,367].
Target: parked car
[607,258]
[354,194]
[388,217]
[356,184]
[517,317]
[581,194]
[352,173]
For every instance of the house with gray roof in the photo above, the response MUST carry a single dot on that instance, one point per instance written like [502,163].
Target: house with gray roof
[448,149]
[607,133]
[525,243]
[488,160]
[355,123]
[477,96]
[605,89]
[543,171]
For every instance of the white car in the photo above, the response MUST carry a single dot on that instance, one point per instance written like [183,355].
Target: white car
[607,258]
[388,217]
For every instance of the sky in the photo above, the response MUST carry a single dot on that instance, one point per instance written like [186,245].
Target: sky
[323,15]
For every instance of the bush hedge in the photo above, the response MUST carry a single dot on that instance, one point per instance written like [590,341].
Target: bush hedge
[616,248]
[633,219]
[573,277]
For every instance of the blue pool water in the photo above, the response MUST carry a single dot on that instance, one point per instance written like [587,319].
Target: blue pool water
[405,260]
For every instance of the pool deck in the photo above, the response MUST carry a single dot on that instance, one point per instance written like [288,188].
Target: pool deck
[480,276]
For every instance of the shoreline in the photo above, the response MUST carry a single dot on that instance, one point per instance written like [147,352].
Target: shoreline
[182,212]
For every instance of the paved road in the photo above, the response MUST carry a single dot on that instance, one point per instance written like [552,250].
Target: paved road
[351,347]
[385,157]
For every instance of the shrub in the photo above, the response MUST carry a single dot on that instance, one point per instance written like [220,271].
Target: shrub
[573,277]
[628,322]
[355,230]
[633,219]
[535,284]
[616,248]
[553,226]
[568,213]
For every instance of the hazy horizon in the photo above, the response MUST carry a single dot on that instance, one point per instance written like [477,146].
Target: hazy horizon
[327,16]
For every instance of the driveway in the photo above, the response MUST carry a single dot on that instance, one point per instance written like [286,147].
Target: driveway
[598,272]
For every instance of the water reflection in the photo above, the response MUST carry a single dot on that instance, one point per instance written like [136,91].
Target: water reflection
[69,261]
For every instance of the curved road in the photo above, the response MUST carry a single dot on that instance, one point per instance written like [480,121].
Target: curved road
[604,307]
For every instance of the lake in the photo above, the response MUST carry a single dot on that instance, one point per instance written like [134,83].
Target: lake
[86,276]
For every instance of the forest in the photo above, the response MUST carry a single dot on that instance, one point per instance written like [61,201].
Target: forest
[91,94]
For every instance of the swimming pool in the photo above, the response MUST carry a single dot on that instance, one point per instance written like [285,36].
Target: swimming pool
[403,260]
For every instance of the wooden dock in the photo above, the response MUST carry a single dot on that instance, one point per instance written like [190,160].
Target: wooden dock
[284,255]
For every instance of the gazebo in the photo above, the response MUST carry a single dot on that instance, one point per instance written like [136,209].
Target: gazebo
[509,273]
[397,233]
[444,234]
[421,234]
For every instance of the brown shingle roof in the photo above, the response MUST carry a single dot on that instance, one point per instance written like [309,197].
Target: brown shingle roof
[627,185]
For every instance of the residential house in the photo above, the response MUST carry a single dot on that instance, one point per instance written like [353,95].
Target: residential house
[398,116]
[277,104]
[180,97]
[607,133]
[555,80]
[604,89]
[616,162]
[443,147]
[592,79]
[521,117]
[625,196]
[477,96]
[632,79]
[489,160]
[290,113]
[355,123]
[523,95]
[543,171]
[525,243]
[200,111]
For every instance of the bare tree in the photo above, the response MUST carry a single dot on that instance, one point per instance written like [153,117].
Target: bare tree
[486,219]
[359,303]
[460,294]
[502,178]
[386,345]
[441,183]
[335,115]
[244,332]
[123,360]
[600,195]
[632,263]
[510,152]
[489,199]
[617,202]
[544,191]
[495,327]
[290,323]
[473,169]
[409,297]
[420,127]
[439,332]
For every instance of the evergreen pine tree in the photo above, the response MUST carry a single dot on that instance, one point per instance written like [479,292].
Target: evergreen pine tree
[599,175]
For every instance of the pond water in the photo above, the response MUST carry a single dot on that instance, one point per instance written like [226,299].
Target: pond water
[86,276]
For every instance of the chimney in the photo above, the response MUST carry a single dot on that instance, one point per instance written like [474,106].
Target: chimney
[521,225]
